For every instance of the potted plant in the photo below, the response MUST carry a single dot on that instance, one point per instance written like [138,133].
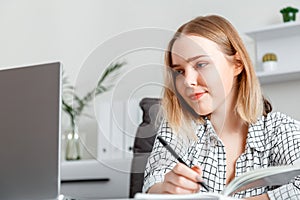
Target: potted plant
[289,14]
[75,106]
[269,62]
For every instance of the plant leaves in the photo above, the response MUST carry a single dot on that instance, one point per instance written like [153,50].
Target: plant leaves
[76,106]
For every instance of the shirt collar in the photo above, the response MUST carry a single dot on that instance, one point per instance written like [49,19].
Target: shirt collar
[256,137]
[206,131]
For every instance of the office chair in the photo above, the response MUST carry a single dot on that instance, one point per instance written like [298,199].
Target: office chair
[144,139]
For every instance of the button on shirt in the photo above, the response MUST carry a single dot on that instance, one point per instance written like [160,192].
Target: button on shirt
[273,140]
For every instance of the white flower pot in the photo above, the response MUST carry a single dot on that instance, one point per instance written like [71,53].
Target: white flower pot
[269,66]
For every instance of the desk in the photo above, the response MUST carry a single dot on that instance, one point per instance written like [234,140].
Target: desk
[91,179]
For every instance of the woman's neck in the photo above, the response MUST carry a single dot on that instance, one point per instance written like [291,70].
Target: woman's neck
[230,123]
[226,120]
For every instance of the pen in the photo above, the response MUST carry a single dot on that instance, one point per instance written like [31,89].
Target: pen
[167,146]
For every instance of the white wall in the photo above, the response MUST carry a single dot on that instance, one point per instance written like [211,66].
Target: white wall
[86,35]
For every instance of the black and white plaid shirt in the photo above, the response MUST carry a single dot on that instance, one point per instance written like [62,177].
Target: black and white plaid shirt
[272,140]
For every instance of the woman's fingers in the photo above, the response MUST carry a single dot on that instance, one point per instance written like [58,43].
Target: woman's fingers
[182,180]
[170,188]
[194,173]
[199,171]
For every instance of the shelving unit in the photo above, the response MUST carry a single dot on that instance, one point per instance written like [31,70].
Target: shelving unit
[93,179]
[283,40]
[278,76]
[276,31]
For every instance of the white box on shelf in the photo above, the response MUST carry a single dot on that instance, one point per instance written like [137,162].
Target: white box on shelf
[133,117]
[104,131]
[117,125]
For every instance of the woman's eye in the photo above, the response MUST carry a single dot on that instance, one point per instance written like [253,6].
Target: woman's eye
[179,71]
[200,65]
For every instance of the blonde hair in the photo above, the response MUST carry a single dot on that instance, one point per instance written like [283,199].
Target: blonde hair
[250,102]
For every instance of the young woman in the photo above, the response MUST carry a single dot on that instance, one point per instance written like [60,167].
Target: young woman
[216,117]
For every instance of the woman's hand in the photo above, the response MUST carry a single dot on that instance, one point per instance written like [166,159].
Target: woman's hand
[259,197]
[180,180]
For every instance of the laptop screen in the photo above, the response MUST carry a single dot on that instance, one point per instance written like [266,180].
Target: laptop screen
[30,105]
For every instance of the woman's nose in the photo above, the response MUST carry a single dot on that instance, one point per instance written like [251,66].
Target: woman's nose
[191,77]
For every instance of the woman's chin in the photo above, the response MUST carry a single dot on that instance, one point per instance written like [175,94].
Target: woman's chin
[202,112]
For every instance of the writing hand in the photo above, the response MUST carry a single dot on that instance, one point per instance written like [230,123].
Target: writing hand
[182,180]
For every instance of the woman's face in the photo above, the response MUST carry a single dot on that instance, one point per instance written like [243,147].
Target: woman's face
[204,75]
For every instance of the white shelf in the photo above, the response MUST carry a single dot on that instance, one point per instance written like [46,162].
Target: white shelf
[91,169]
[281,39]
[278,76]
[287,29]
[92,179]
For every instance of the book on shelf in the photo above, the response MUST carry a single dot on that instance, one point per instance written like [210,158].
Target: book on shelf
[271,176]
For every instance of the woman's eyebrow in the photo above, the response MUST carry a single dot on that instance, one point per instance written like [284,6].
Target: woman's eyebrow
[174,65]
[195,57]
[189,60]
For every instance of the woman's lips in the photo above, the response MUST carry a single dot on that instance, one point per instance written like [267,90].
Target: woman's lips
[196,96]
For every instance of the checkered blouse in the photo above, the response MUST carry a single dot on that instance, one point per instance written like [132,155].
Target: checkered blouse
[272,140]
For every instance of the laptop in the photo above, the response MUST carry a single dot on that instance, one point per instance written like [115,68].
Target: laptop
[30,106]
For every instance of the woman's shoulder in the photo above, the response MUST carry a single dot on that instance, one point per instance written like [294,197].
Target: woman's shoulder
[182,134]
[272,129]
[279,118]
[278,122]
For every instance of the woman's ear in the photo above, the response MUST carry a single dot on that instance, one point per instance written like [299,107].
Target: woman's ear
[238,64]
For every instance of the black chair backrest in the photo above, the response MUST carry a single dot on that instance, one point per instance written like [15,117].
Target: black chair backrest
[143,142]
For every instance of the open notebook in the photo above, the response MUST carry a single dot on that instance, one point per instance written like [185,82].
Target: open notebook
[30,132]
[278,175]
[196,196]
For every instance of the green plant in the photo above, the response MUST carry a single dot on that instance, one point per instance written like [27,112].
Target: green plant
[289,13]
[75,106]
[269,57]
